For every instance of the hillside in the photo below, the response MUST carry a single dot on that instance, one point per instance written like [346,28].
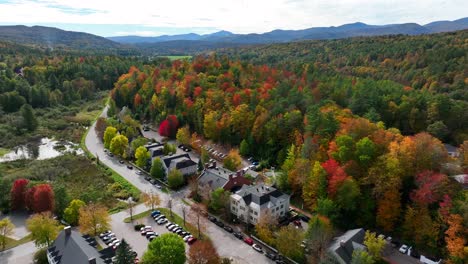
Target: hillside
[54,38]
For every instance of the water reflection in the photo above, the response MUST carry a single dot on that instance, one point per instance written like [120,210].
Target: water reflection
[46,148]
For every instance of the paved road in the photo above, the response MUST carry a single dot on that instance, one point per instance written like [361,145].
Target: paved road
[22,254]
[226,244]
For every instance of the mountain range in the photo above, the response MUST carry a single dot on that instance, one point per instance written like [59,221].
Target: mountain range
[52,38]
[344,31]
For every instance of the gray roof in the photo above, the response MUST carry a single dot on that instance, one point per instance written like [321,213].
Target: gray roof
[343,246]
[215,178]
[260,194]
[73,249]
[183,160]
[450,148]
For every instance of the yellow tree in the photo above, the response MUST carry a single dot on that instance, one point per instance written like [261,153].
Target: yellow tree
[151,199]
[183,135]
[265,228]
[6,229]
[119,145]
[288,242]
[94,219]
[455,237]
[43,228]
[374,244]
[233,160]
[109,134]
[142,156]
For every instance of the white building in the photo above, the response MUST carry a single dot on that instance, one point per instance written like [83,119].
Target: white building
[250,203]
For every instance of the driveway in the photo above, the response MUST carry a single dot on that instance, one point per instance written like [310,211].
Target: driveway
[19,220]
[22,254]
[226,244]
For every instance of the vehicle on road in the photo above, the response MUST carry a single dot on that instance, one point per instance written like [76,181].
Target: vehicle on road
[186,238]
[270,256]
[157,186]
[130,167]
[138,172]
[105,233]
[248,240]
[212,219]
[162,221]
[257,248]
[154,213]
[403,249]
[228,228]
[191,240]
[238,235]
[121,162]
[220,224]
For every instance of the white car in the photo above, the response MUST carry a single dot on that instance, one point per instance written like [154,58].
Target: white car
[113,243]
[403,249]
[257,248]
[162,221]
[186,238]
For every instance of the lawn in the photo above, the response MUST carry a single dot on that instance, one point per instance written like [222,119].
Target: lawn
[138,216]
[11,243]
[3,151]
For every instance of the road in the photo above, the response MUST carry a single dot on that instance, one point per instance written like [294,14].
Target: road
[226,244]
[22,254]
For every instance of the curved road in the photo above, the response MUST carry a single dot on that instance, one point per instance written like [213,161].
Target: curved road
[226,244]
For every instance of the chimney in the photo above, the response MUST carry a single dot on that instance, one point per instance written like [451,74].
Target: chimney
[67,230]
[342,243]
[92,260]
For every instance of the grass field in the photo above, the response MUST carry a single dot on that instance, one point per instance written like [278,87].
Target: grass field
[11,243]
[181,57]
[138,216]
[3,151]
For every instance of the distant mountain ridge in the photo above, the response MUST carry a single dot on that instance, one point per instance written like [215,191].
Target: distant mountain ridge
[343,31]
[49,37]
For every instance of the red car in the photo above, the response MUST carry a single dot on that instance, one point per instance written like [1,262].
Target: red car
[191,240]
[248,240]
[297,223]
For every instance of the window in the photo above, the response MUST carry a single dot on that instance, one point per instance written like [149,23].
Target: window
[251,218]
[234,208]
[255,213]
[282,206]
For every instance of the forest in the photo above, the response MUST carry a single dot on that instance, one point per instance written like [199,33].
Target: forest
[356,171]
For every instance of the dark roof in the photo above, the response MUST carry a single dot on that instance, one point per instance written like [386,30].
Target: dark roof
[259,194]
[168,160]
[73,249]
[185,164]
[450,148]
[154,145]
[343,246]
[157,152]
[247,198]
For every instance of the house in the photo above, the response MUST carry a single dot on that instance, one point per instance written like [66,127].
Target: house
[462,179]
[155,150]
[452,151]
[251,203]
[182,162]
[71,247]
[343,246]
[216,177]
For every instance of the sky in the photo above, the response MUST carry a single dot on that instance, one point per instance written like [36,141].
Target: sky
[160,17]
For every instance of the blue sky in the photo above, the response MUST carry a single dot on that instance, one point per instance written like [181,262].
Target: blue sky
[159,17]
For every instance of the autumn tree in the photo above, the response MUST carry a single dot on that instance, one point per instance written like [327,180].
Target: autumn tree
[100,127]
[455,238]
[142,156]
[203,252]
[151,199]
[265,227]
[94,219]
[168,248]
[43,228]
[315,186]
[336,176]
[292,248]
[388,210]
[318,236]
[196,218]
[183,136]
[233,160]
[18,192]
[6,229]
[157,169]
[119,145]
[168,127]
[298,175]
[175,178]
[362,257]
[43,198]
[72,212]
[109,134]
[419,227]
[375,245]
[430,187]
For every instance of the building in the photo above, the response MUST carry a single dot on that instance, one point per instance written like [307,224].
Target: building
[452,151]
[251,203]
[214,178]
[71,247]
[181,162]
[155,150]
[343,246]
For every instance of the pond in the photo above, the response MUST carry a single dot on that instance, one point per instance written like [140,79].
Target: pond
[45,148]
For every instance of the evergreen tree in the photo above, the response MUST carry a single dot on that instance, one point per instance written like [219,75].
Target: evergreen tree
[124,254]
[29,120]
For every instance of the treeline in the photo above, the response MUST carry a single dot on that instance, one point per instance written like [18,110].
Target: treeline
[44,78]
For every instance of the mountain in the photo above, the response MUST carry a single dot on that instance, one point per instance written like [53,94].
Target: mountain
[277,36]
[52,38]
[446,26]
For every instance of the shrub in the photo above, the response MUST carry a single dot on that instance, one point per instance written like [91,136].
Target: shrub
[138,227]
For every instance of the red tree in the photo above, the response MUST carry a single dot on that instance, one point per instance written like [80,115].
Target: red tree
[336,175]
[164,128]
[430,185]
[29,198]
[43,198]
[17,193]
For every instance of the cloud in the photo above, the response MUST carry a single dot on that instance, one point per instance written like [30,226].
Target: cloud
[239,16]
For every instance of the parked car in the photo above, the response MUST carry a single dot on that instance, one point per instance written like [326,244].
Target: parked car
[297,223]
[105,233]
[111,154]
[186,238]
[257,248]
[138,172]
[154,213]
[157,186]
[212,219]
[151,233]
[191,240]
[270,256]
[248,240]
[256,163]
[220,224]
[228,228]
[305,218]
[114,243]
[130,167]
[157,217]
[162,221]
[151,238]
[152,181]
[169,224]
[403,249]
[238,235]
[148,178]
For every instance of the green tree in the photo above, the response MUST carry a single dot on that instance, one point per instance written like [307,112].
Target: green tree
[138,142]
[43,228]
[361,257]
[374,244]
[29,119]
[218,199]
[347,195]
[292,248]
[72,212]
[157,169]
[165,249]
[315,186]
[205,156]
[345,151]
[62,199]
[6,229]
[123,254]
[183,135]
[169,149]
[244,148]
[142,156]
[119,145]
[109,134]
[365,151]
[439,130]
[318,236]
[175,178]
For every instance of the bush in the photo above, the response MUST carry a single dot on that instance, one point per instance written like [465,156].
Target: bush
[40,257]
[138,227]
